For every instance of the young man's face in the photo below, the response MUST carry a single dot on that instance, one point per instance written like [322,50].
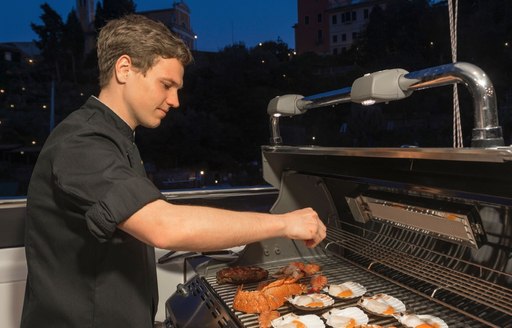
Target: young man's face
[150,96]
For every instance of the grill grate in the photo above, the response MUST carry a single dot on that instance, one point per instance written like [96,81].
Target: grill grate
[433,268]
[410,262]
[339,270]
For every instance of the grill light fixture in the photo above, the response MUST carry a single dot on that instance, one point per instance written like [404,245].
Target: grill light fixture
[368,102]
[286,105]
[293,104]
[396,84]
[381,86]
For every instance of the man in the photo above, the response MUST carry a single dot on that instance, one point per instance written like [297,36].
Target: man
[94,217]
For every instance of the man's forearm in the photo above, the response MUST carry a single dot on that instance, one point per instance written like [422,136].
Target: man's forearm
[196,228]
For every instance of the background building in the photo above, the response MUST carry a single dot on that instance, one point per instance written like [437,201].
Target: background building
[347,20]
[18,51]
[312,28]
[331,26]
[176,18]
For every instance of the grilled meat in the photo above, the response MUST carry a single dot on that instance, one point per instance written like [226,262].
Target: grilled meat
[241,275]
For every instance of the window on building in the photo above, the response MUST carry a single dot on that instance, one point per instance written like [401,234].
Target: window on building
[345,17]
[343,37]
[354,35]
[334,19]
[319,18]
[366,14]
[334,38]
[343,128]
[319,36]
[335,51]
[306,20]
[354,16]
[390,125]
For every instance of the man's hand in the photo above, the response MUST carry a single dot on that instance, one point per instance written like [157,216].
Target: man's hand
[304,224]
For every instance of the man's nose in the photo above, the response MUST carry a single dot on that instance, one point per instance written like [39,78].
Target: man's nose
[172,100]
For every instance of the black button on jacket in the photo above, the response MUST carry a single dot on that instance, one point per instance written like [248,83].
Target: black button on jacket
[82,270]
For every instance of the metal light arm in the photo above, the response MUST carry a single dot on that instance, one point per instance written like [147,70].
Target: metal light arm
[486,131]
[291,105]
[395,84]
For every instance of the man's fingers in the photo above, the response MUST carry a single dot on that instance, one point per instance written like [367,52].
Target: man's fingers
[318,236]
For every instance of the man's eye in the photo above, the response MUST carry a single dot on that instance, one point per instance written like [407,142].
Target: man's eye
[166,86]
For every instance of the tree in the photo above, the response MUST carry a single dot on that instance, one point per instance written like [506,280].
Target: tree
[373,43]
[112,9]
[73,42]
[50,39]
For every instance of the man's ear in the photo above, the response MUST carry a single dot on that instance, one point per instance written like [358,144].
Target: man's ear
[122,68]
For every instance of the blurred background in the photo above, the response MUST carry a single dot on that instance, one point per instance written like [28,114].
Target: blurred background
[214,139]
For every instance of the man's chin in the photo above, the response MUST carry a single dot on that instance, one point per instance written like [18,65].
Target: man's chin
[152,125]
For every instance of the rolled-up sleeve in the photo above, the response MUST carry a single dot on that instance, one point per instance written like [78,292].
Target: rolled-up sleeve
[101,183]
[121,201]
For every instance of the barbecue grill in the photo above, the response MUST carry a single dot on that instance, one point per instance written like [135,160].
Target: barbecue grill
[431,227]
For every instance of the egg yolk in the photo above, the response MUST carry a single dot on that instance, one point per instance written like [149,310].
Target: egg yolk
[299,324]
[345,293]
[426,325]
[391,310]
[315,304]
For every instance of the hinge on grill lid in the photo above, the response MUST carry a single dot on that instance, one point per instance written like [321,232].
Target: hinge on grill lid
[454,222]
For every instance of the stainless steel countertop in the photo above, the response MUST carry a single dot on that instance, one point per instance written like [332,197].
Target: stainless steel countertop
[493,155]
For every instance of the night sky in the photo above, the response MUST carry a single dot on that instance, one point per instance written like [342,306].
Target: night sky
[216,23]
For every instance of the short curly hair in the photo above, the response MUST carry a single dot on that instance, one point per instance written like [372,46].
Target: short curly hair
[141,38]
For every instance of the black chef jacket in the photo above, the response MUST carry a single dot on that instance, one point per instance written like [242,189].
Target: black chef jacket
[82,270]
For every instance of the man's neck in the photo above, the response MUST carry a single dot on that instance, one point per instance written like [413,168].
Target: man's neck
[113,100]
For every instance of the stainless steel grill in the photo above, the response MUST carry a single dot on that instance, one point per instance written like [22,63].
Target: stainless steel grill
[430,275]
[431,227]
